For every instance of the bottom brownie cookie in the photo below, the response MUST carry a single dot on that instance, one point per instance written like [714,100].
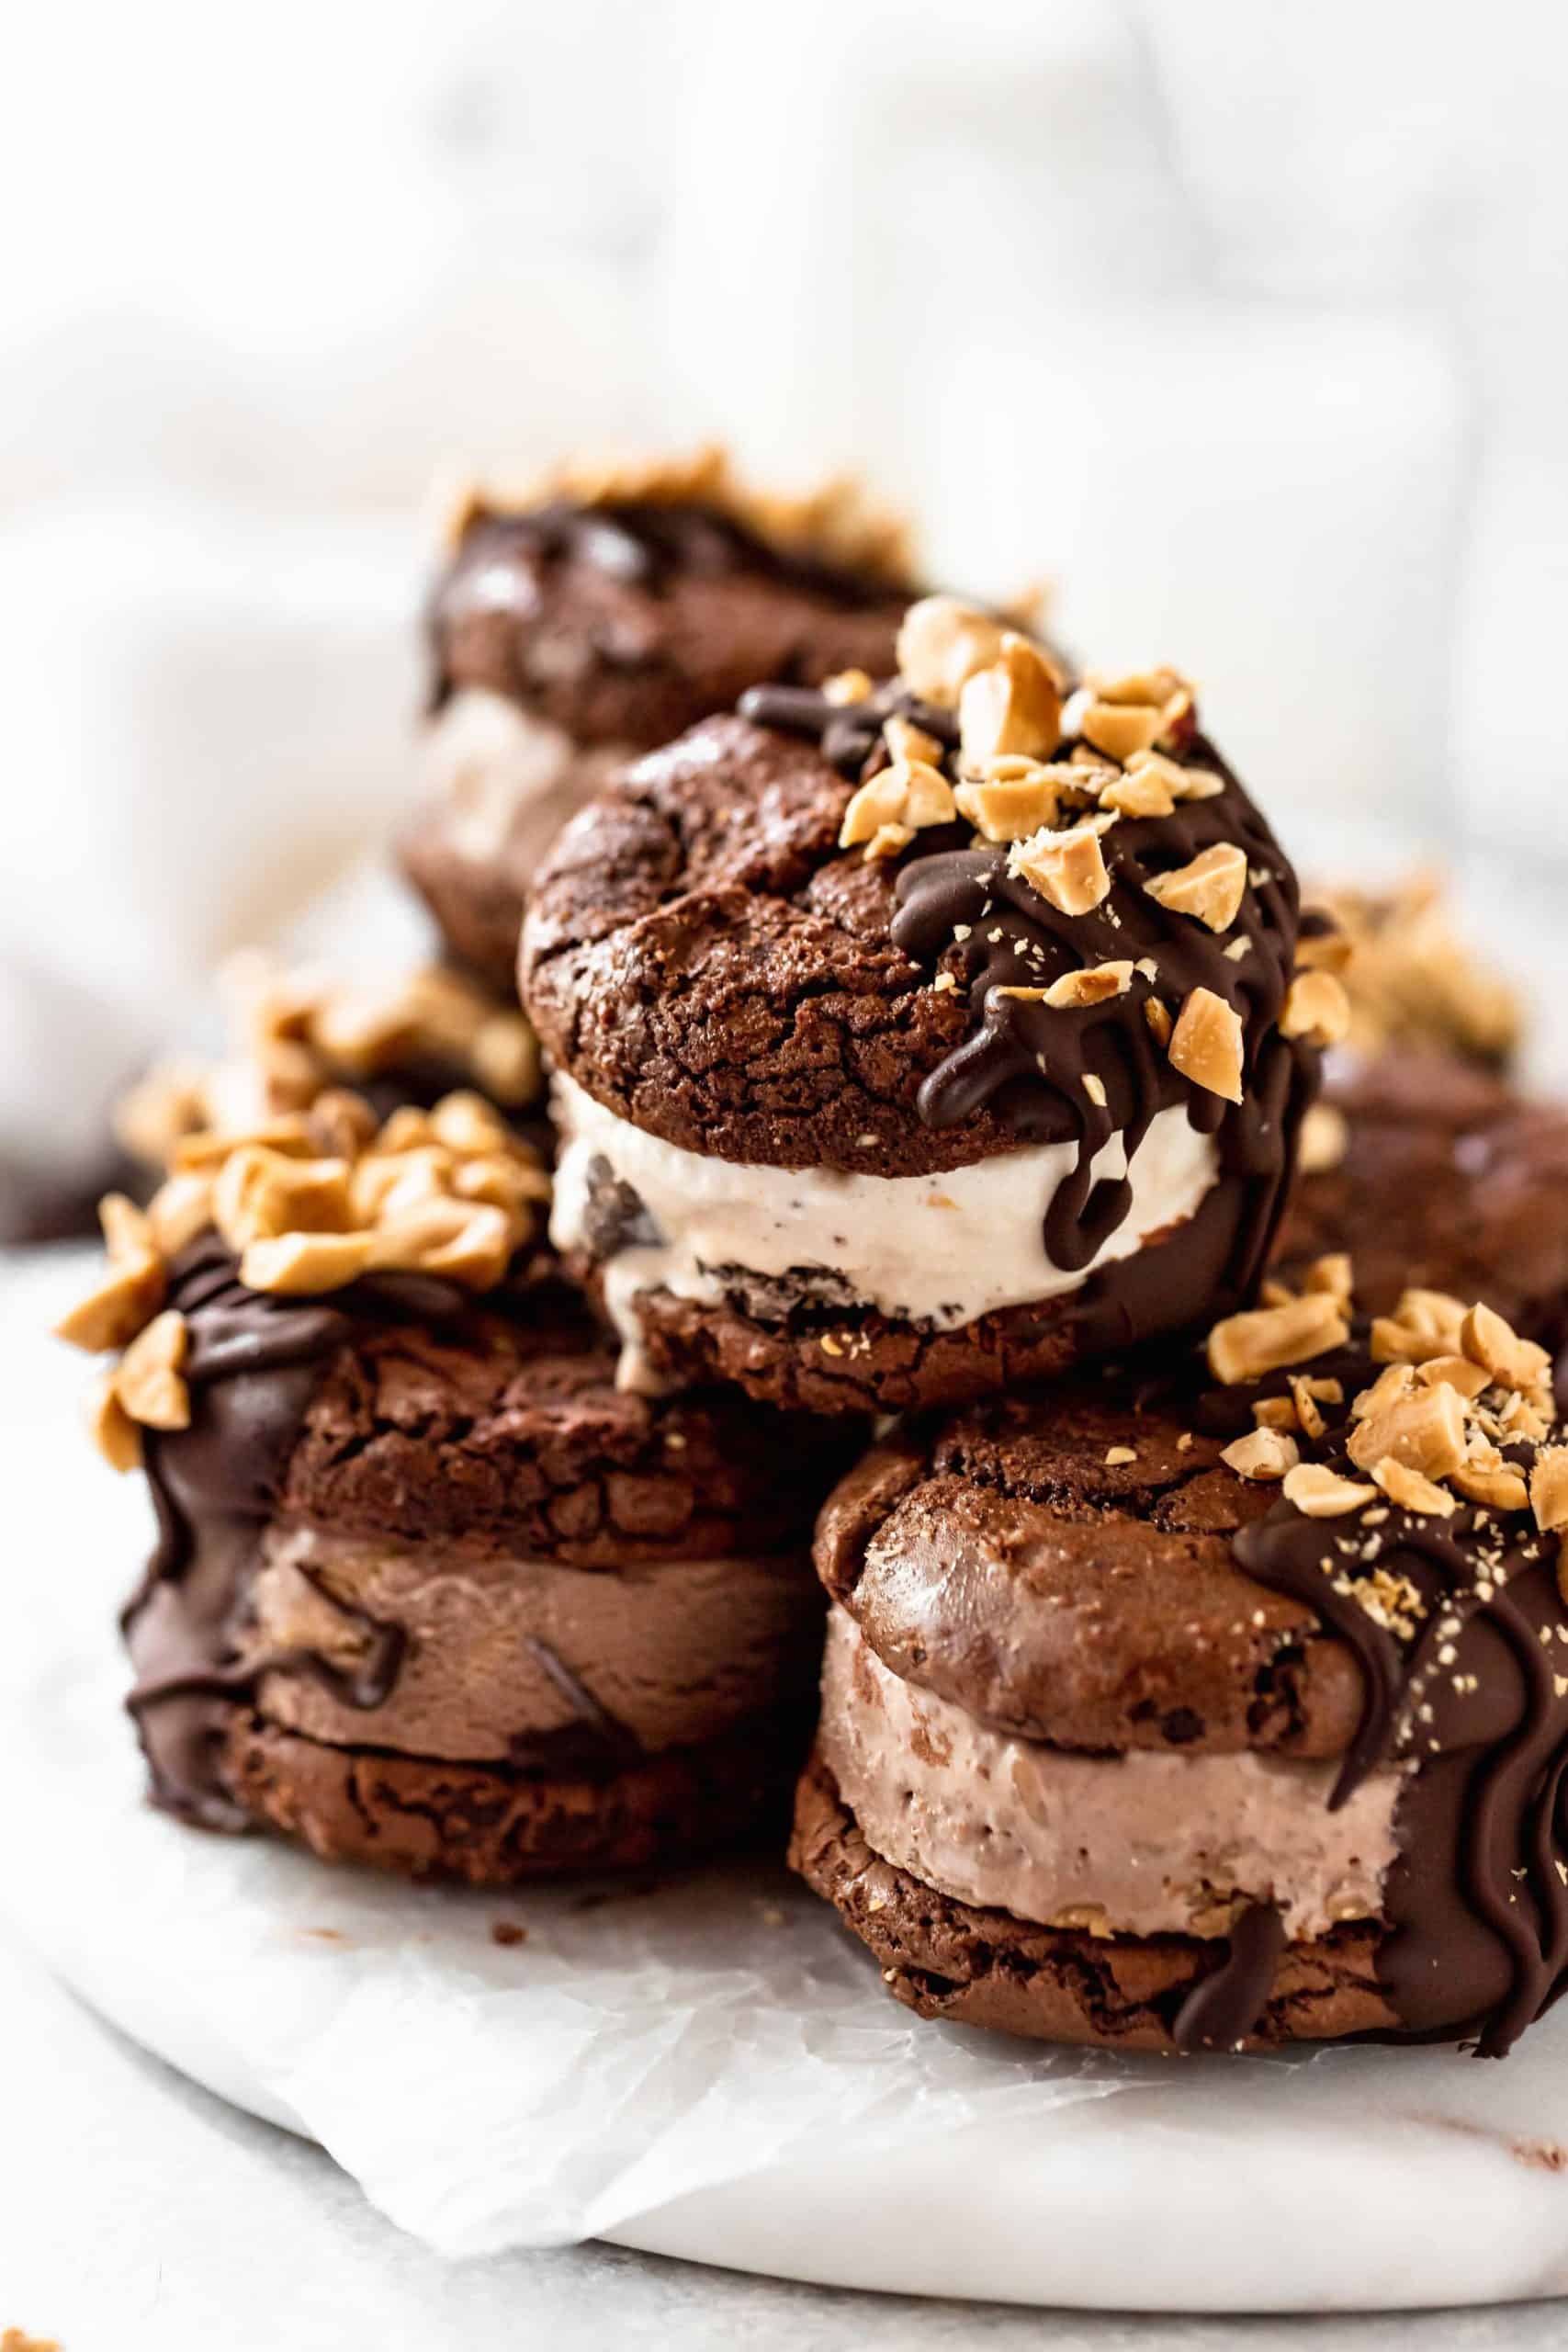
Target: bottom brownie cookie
[1212,1706]
[947,1958]
[429,1590]
[492,1825]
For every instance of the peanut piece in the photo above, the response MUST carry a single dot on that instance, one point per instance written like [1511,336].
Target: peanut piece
[1206,1044]
[1211,887]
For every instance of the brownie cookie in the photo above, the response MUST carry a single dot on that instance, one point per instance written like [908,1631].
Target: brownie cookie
[595,617]
[428,1590]
[1212,1708]
[1433,1172]
[911,1042]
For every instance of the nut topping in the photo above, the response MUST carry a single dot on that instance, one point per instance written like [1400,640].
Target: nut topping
[260,1193]
[1265,1339]
[131,1293]
[1513,1363]
[110,1427]
[1263,1454]
[1549,1488]
[1422,1429]
[1207,1045]
[304,1264]
[1012,706]
[448,1192]
[1211,887]
[908,742]
[1094,985]
[1068,868]
[1181,783]
[1424,1323]
[1411,1490]
[1324,1139]
[1317,1009]
[1141,794]
[1005,807]
[1120,730]
[1123,716]
[898,800]
[941,643]
[1320,1493]
[146,1380]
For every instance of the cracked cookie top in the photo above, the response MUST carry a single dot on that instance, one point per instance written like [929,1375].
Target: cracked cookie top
[1060,1565]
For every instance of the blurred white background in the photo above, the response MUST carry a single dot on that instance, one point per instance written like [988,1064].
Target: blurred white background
[1245,325]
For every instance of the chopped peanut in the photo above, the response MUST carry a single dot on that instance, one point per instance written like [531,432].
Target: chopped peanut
[1317,1009]
[1206,1044]
[1263,1338]
[1066,868]
[1011,705]
[1210,888]
[1320,1493]
[1411,1490]
[1264,1454]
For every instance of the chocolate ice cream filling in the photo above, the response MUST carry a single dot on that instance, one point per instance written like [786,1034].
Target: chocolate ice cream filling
[1142,1844]
[508,1658]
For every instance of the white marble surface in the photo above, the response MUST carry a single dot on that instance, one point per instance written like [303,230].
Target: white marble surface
[138,2214]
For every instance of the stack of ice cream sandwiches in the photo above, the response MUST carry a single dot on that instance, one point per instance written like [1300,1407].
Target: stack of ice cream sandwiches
[935,1349]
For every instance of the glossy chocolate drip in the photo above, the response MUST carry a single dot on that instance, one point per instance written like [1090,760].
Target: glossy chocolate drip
[253,1365]
[1468,1701]
[1222,2010]
[1041,1067]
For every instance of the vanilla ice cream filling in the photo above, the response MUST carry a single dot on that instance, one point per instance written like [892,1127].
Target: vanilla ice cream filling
[1141,1844]
[490,761]
[936,1250]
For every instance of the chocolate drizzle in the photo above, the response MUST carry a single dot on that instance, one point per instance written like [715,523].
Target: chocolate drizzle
[1041,1067]
[1470,1701]
[850,734]
[1221,2009]
[253,1365]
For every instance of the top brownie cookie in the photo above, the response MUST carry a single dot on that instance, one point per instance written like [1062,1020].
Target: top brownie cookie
[809,958]
[597,615]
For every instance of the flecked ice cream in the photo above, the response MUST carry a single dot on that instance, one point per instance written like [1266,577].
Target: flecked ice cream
[1140,1844]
